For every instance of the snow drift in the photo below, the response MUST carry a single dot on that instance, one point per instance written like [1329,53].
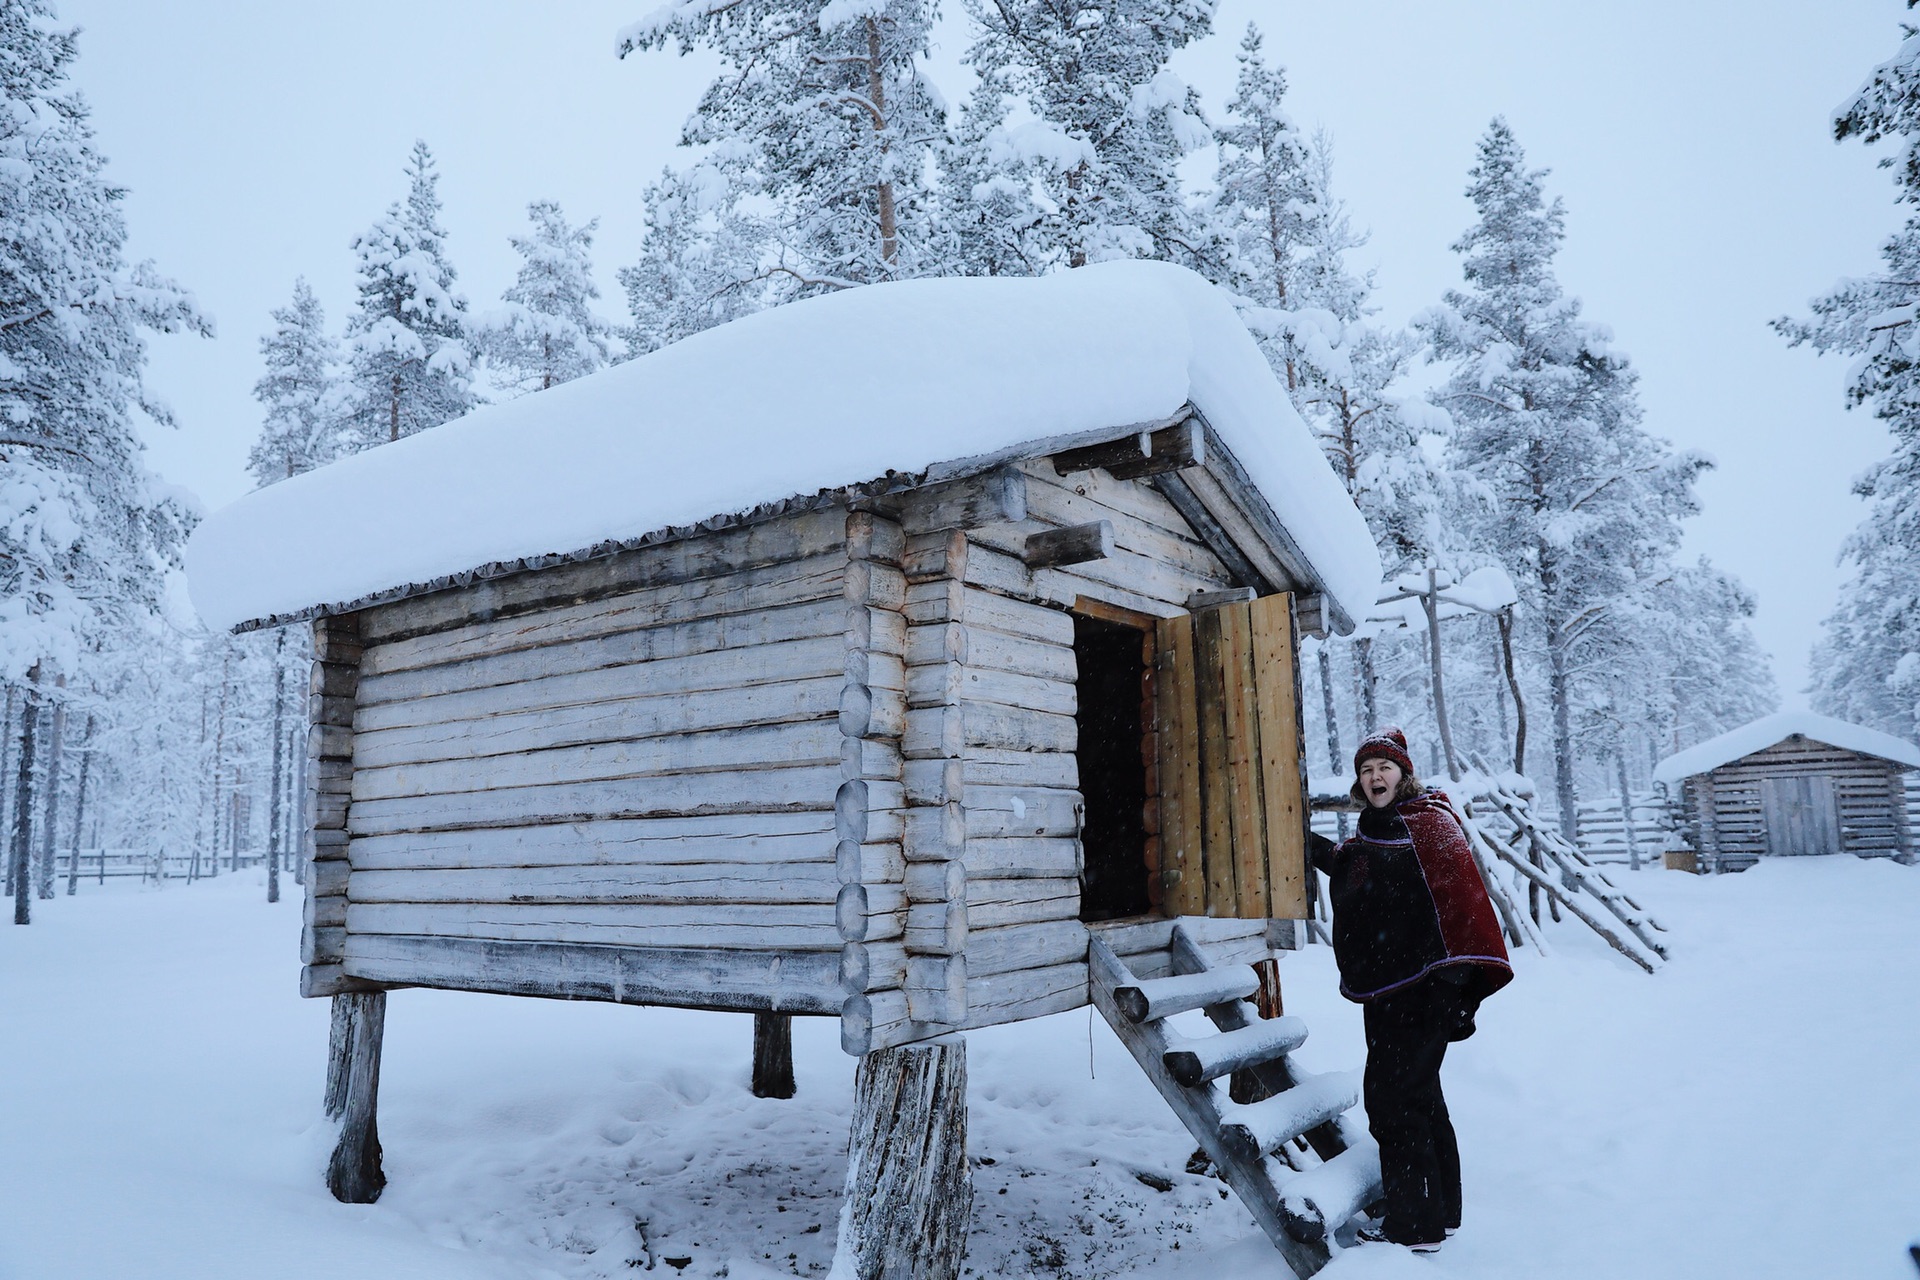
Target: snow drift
[832,391]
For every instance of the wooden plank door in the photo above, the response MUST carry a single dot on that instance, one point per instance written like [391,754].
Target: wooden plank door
[1232,773]
[1801,816]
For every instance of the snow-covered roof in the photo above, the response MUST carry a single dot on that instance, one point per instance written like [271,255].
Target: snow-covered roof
[820,394]
[1735,744]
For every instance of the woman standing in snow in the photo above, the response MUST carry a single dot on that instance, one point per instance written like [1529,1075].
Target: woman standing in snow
[1418,946]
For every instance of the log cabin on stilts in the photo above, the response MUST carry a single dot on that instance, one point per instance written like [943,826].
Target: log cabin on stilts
[921,656]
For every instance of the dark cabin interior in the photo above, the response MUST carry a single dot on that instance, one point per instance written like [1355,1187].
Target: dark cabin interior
[1112,670]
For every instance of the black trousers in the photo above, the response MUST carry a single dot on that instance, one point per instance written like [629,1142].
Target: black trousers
[1419,1160]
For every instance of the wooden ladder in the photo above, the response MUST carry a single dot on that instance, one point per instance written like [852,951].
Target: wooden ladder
[1299,1197]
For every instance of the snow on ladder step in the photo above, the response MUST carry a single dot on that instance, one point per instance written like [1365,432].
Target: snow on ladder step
[1202,1058]
[1254,1129]
[1330,1194]
[1157,998]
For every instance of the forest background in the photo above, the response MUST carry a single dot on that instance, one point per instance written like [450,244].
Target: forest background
[1704,198]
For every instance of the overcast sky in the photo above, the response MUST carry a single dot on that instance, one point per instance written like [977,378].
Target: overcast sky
[1690,140]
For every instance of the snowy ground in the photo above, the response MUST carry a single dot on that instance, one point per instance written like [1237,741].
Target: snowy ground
[1753,1111]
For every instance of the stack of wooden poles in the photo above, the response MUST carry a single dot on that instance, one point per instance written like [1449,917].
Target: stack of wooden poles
[1517,851]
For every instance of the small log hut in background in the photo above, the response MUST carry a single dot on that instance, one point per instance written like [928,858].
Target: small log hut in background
[832,755]
[1791,784]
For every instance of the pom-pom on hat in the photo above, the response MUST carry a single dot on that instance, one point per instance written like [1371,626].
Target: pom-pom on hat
[1386,743]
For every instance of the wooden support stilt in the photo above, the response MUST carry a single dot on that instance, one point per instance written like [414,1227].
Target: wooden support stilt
[773,1055]
[354,1174]
[909,1189]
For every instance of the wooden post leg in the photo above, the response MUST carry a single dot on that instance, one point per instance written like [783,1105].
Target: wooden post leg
[909,1190]
[773,1055]
[354,1174]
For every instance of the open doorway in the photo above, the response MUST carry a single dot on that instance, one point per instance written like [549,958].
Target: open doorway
[1111,657]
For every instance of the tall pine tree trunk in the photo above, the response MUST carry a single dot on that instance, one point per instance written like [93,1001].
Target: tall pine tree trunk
[6,771]
[1559,689]
[50,823]
[1369,686]
[80,811]
[1333,725]
[877,95]
[279,764]
[1430,602]
[1505,619]
[23,805]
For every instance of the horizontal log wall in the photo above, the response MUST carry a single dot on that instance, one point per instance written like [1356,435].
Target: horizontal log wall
[640,752]
[1724,814]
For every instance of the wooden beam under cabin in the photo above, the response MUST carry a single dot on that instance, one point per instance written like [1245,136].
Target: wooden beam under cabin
[1149,453]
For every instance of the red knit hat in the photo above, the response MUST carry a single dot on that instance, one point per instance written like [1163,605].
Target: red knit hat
[1385,743]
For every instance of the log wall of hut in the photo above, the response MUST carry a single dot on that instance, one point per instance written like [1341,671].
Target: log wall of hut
[612,779]
[819,763]
[1726,810]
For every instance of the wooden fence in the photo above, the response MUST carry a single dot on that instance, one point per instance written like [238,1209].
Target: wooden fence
[97,865]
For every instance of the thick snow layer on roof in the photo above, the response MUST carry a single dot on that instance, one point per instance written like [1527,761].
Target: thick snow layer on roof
[1766,731]
[832,391]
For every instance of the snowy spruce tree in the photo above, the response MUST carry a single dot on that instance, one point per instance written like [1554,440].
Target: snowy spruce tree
[1867,664]
[300,392]
[700,263]
[1099,125]
[408,354]
[85,529]
[824,118]
[547,332]
[1584,504]
[986,211]
[1287,237]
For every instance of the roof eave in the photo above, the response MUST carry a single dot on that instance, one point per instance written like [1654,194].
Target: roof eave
[1217,497]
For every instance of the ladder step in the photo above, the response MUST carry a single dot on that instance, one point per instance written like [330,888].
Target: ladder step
[1205,1058]
[1252,1130]
[1320,1201]
[1157,998]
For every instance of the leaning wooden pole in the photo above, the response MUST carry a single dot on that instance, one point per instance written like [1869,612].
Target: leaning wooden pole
[354,1174]
[909,1190]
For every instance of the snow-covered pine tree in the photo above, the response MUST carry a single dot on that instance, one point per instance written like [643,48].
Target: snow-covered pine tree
[1867,664]
[409,359]
[84,527]
[300,392]
[1109,124]
[1288,236]
[985,204]
[1546,416]
[824,104]
[701,263]
[547,332]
